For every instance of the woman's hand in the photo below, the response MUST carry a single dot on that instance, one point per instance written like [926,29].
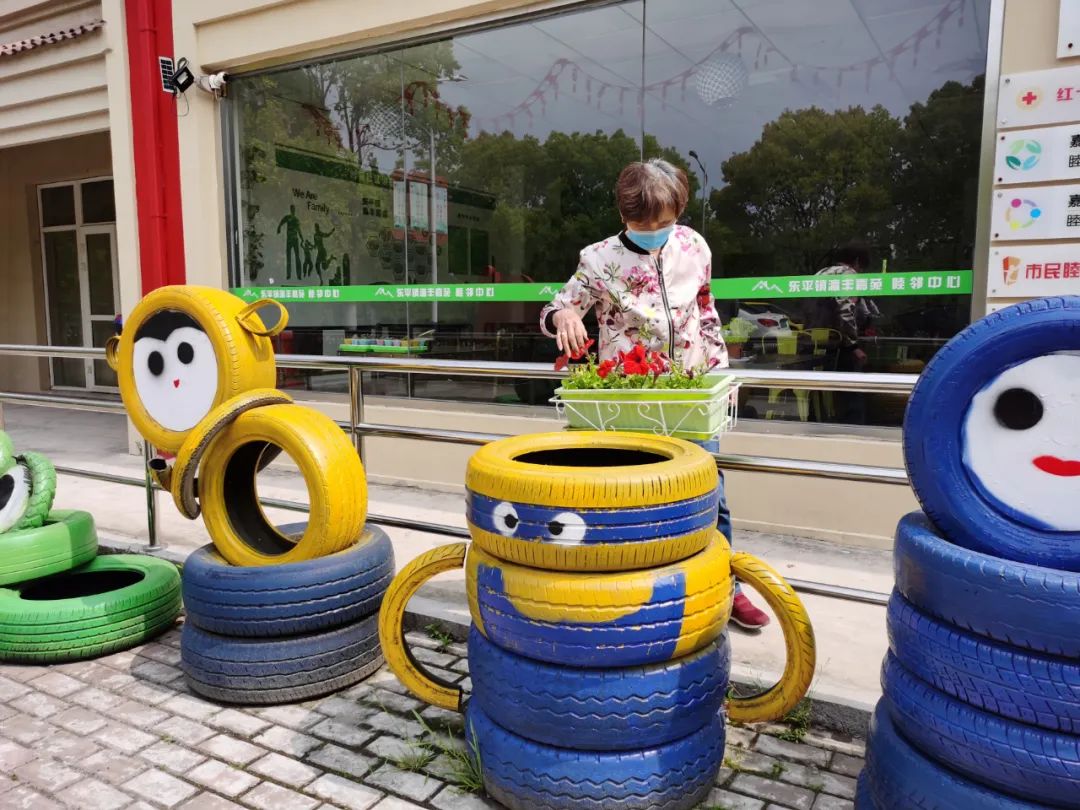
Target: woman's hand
[570,334]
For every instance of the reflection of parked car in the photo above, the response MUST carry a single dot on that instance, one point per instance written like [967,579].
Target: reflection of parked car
[766,320]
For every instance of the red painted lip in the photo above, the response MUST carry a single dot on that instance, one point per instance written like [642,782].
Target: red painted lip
[175,383]
[1058,466]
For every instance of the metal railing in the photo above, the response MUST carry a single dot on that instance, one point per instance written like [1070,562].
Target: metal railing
[358,428]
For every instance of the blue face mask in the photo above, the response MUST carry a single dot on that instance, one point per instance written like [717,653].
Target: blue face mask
[650,240]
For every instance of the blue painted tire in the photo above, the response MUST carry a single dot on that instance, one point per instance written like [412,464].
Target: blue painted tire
[1022,605]
[292,598]
[897,777]
[624,619]
[599,709]
[525,775]
[935,425]
[1035,689]
[1008,756]
[279,670]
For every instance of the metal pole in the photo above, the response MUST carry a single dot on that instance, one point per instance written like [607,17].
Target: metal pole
[151,497]
[356,409]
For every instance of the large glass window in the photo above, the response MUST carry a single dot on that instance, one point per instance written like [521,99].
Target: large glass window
[431,198]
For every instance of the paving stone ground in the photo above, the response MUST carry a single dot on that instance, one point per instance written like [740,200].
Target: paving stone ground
[123,733]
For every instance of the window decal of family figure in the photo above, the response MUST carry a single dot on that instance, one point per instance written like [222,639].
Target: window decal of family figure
[323,259]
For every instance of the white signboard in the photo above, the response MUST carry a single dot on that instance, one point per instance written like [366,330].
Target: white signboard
[1026,213]
[1069,29]
[1037,155]
[1034,271]
[418,205]
[1039,97]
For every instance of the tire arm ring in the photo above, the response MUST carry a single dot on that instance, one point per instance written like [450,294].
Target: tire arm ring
[399,658]
[778,700]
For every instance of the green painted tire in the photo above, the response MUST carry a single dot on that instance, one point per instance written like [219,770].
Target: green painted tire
[110,604]
[66,540]
[42,490]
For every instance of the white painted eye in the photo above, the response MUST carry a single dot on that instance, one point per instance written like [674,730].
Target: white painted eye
[1022,440]
[567,528]
[506,519]
[14,496]
[176,378]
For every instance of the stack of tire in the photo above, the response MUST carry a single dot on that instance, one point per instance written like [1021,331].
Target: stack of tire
[274,614]
[58,600]
[982,680]
[600,592]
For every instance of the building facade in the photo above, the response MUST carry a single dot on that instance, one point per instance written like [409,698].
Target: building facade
[421,176]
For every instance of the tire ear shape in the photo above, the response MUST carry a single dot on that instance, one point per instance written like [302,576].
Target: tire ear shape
[249,318]
[112,352]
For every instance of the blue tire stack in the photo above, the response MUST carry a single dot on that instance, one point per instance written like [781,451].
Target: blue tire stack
[283,633]
[982,680]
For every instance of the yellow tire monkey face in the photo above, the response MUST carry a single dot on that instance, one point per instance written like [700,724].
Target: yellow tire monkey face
[185,350]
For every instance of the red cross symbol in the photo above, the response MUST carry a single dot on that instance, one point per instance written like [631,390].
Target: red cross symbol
[1029,98]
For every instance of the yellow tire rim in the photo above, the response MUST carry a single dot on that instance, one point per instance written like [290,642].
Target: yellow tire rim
[776,702]
[426,686]
[337,491]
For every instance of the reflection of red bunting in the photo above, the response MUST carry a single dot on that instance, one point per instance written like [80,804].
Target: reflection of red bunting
[596,88]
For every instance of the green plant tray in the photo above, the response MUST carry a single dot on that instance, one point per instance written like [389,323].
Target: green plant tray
[698,414]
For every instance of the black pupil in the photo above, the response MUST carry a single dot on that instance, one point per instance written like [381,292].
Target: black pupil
[1018,409]
[511,521]
[7,487]
[156,363]
[555,528]
[185,353]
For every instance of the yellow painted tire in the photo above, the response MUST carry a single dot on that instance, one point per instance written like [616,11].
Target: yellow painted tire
[620,619]
[592,501]
[429,688]
[776,702]
[237,336]
[337,492]
[203,434]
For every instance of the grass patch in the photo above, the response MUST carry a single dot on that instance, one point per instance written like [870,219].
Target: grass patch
[797,722]
[416,760]
[436,632]
[466,770]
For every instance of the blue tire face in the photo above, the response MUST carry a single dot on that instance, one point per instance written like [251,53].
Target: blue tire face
[897,777]
[279,600]
[1021,605]
[1005,755]
[599,709]
[525,775]
[991,437]
[1039,690]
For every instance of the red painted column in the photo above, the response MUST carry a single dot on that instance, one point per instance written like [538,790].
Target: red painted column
[155,145]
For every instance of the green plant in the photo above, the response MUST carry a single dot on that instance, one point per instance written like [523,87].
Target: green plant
[797,721]
[417,759]
[436,632]
[466,771]
[777,770]
[816,787]
[637,369]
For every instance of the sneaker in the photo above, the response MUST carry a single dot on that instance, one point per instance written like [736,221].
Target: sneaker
[748,617]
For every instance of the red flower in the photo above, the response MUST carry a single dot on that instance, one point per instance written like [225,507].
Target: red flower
[564,360]
[605,368]
[631,366]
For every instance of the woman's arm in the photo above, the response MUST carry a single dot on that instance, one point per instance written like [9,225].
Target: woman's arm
[712,329]
[576,298]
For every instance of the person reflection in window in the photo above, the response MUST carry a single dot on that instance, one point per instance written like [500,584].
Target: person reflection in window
[291,223]
[650,286]
[850,317]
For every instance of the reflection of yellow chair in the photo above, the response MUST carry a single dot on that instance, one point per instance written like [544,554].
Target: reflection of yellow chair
[787,346]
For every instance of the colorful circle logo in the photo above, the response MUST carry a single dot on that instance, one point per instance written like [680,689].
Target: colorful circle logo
[1023,155]
[1022,213]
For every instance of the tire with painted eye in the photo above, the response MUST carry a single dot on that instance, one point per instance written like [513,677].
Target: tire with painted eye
[585,501]
[1040,690]
[185,350]
[991,438]
[612,709]
[624,619]
[1003,754]
[337,492]
[522,774]
[281,600]
[66,540]
[1021,605]
[898,777]
[110,604]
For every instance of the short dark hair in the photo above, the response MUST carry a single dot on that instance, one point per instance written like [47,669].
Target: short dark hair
[855,253]
[646,190]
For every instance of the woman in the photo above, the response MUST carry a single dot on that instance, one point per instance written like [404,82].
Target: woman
[650,285]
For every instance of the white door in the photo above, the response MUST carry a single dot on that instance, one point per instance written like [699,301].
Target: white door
[78,244]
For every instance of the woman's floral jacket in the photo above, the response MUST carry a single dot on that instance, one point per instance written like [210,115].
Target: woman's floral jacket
[662,302]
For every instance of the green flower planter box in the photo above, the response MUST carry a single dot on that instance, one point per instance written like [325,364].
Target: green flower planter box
[697,414]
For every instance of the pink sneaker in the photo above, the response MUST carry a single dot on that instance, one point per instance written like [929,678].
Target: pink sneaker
[748,617]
